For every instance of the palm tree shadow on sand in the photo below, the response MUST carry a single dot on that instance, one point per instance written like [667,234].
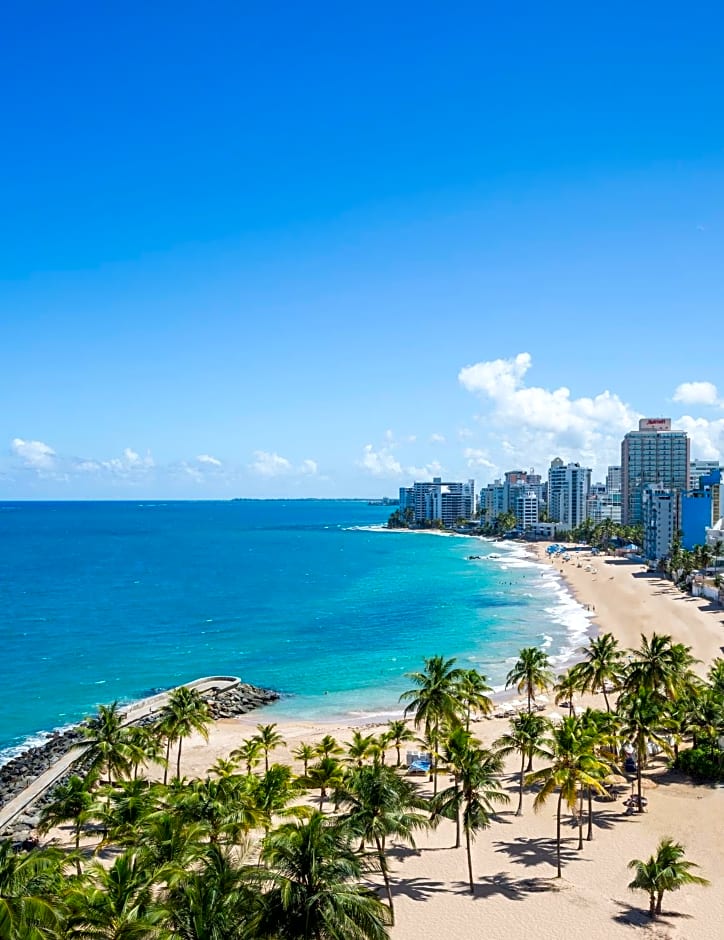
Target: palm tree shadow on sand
[534,852]
[633,916]
[502,885]
[417,889]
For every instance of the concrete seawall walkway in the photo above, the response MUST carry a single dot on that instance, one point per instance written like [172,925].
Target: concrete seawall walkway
[134,712]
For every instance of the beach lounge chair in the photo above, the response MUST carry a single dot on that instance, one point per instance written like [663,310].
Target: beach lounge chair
[419,767]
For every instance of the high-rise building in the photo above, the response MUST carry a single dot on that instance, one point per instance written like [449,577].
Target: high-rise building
[699,509]
[502,496]
[700,468]
[443,502]
[526,511]
[654,456]
[613,480]
[568,486]
[659,517]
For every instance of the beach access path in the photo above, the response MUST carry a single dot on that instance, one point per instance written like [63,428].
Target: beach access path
[134,712]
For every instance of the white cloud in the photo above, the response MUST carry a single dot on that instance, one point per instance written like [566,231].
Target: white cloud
[545,422]
[432,469]
[707,437]
[437,438]
[475,457]
[208,459]
[380,462]
[309,467]
[698,393]
[270,464]
[34,454]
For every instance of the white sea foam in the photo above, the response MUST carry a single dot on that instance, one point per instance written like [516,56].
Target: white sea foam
[35,740]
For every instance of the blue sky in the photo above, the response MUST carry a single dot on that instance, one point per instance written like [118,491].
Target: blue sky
[306,251]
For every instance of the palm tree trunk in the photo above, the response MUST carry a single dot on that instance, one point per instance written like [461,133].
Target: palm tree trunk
[589,837]
[77,847]
[638,781]
[519,811]
[470,860]
[652,905]
[659,899]
[168,757]
[580,821]
[605,698]
[558,834]
[178,759]
[399,758]
[457,814]
[383,866]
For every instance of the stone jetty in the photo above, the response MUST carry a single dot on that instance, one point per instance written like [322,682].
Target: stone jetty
[23,771]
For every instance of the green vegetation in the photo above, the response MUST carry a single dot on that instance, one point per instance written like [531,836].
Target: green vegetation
[255,849]
[667,870]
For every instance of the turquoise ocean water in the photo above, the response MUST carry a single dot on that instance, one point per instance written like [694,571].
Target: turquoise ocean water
[103,601]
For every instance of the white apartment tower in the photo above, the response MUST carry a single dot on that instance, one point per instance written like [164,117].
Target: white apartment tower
[659,517]
[568,486]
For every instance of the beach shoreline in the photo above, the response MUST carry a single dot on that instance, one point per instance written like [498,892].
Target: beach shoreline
[514,859]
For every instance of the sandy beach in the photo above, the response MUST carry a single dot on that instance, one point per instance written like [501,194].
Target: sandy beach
[517,894]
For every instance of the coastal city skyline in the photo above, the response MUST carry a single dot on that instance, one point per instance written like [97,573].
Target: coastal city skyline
[296,267]
[517,424]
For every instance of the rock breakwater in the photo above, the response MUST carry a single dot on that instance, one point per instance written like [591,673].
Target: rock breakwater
[17,774]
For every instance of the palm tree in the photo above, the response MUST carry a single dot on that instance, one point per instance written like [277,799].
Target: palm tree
[249,752]
[144,747]
[360,747]
[105,741]
[214,900]
[643,720]
[435,699]
[472,691]
[327,774]
[70,802]
[304,753]
[659,666]
[126,808]
[449,802]
[667,870]
[116,903]
[328,747]
[274,791]
[314,892]
[479,770]
[531,673]
[186,711]
[227,808]
[565,688]
[29,885]
[574,765]
[602,665]
[398,733]
[382,804]
[269,739]
[527,738]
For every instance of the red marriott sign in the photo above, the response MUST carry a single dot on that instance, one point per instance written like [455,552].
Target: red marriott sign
[655,424]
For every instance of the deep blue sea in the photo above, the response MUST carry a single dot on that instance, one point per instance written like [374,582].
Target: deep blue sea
[112,600]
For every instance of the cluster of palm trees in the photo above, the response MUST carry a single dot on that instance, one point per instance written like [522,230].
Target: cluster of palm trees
[243,851]
[682,563]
